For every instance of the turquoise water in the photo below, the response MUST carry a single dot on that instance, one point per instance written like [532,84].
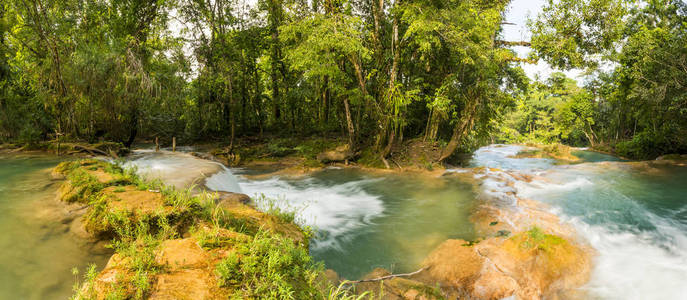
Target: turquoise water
[367,221]
[362,220]
[593,156]
[38,252]
[633,214]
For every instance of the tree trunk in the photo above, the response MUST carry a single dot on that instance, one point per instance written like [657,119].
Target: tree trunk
[232,117]
[274,33]
[349,123]
[133,130]
[459,131]
[390,129]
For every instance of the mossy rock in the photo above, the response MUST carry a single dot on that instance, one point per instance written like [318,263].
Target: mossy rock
[86,178]
[119,207]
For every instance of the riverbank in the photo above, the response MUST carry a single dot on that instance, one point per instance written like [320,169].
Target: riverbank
[171,243]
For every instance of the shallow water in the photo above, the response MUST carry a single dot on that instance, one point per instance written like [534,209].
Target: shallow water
[593,156]
[38,252]
[633,214]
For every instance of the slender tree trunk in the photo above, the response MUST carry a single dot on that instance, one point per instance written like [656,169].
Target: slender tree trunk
[349,123]
[274,33]
[232,117]
[390,128]
[325,100]
[257,100]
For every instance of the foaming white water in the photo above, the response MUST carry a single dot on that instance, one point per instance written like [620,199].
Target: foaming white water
[631,266]
[640,254]
[335,211]
[501,157]
[223,181]
[542,188]
[182,170]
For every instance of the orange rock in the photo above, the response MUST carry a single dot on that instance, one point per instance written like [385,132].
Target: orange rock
[453,264]
[129,198]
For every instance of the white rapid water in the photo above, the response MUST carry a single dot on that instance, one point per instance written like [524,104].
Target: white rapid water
[182,170]
[334,211]
[634,221]
[501,157]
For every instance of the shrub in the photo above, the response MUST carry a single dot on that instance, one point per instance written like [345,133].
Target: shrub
[644,145]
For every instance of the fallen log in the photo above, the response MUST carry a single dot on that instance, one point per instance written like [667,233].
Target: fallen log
[91,151]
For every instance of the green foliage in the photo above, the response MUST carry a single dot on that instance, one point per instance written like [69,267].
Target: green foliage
[85,185]
[552,112]
[645,145]
[639,99]
[111,70]
[138,246]
[271,206]
[86,289]
[270,267]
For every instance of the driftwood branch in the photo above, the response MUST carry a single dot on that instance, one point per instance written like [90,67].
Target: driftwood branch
[388,277]
[513,43]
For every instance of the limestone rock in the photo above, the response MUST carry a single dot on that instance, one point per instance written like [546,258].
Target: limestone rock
[228,199]
[530,265]
[455,265]
[339,154]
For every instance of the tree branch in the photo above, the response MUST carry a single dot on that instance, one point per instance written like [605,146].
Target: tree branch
[388,277]
[513,43]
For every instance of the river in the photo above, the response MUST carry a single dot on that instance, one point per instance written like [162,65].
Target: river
[634,215]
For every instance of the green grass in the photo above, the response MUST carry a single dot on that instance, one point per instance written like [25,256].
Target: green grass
[270,266]
[270,206]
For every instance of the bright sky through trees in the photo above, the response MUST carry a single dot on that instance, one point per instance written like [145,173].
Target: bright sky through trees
[519,11]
